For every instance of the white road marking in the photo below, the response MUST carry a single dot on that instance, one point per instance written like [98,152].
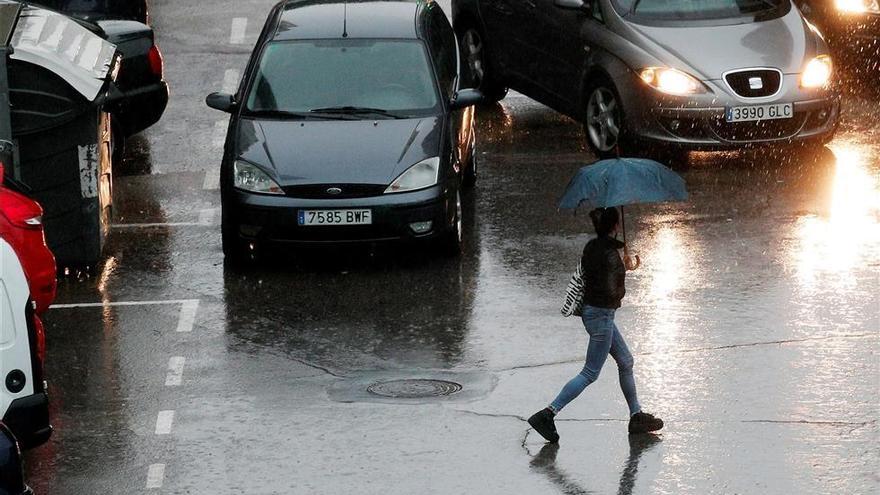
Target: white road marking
[187,318]
[155,476]
[212,178]
[239,28]
[230,81]
[164,421]
[175,371]
[124,303]
[206,219]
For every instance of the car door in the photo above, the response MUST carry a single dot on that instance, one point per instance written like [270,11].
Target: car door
[569,40]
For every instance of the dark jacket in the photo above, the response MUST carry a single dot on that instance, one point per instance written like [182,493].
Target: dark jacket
[603,273]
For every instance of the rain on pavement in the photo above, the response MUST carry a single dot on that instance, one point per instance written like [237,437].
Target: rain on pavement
[754,321]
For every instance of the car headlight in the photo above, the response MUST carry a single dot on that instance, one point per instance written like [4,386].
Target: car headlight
[858,6]
[250,178]
[419,176]
[671,81]
[817,73]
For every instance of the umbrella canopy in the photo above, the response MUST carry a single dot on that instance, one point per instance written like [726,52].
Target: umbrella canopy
[621,182]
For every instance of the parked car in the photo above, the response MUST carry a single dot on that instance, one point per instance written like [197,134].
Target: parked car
[11,472]
[852,27]
[661,74]
[24,403]
[141,78]
[374,142]
[21,225]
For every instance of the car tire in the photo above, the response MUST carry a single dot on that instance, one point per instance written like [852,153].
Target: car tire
[452,240]
[604,120]
[475,56]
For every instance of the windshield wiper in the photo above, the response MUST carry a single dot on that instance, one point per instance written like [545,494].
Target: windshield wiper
[349,110]
[284,114]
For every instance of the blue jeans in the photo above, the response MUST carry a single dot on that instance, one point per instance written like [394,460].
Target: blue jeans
[605,339]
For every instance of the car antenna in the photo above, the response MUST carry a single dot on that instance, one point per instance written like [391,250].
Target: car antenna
[345,19]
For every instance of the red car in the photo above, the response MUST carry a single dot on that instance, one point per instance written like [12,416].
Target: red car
[22,227]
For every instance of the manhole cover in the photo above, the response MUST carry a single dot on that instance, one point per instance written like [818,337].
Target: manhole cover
[414,389]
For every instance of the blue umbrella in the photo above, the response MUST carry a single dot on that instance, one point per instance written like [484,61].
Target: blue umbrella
[621,182]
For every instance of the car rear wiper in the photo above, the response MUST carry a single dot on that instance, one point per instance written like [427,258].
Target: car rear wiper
[349,110]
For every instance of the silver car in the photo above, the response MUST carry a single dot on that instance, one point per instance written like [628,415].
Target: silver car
[664,75]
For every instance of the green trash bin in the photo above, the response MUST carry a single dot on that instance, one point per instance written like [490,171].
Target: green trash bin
[59,76]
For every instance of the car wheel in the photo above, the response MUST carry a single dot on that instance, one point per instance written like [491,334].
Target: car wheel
[451,242]
[603,122]
[475,55]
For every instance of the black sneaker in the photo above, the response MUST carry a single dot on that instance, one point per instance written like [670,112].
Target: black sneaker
[542,422]
[642,422]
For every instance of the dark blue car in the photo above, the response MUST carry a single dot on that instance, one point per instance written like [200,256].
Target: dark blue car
[349,126]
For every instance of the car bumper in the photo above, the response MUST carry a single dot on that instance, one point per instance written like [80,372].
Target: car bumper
[142,107]
[698,122]
[28,418]
[274,219]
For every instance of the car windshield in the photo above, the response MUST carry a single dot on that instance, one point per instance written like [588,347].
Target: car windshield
[695,9]
[365,78]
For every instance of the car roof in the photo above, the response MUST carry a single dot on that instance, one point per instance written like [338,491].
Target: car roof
[334,19]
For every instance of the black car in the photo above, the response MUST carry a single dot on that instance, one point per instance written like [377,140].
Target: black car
[348,126]
[852,28]
[141,78]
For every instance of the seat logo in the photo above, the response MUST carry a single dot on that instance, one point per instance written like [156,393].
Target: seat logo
[334,191]
[756,83]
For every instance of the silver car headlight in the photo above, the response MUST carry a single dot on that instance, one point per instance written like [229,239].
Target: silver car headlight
[248,177]
[858,6]
[419,176]
[817,72]
[671,81]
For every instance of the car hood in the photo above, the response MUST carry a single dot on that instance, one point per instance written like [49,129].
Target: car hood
[707,52]
[338,151]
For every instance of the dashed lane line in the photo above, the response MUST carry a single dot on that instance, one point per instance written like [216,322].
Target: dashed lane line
[206,219]
[125,303]
[164,421]
[187,317]
[239,29]
[155,476]
[175,371]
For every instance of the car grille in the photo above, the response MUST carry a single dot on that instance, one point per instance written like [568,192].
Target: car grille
[760,131]
[320,191]
[741,82]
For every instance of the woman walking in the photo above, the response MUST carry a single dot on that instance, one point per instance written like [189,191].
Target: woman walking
[603,277]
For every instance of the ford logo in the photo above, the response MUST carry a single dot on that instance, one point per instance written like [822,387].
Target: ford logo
[334,191]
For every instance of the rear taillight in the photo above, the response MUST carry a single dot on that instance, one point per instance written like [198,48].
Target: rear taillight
[20,211]
[157,64]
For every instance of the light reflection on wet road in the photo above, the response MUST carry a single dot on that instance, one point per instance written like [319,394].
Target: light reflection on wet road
[754,321]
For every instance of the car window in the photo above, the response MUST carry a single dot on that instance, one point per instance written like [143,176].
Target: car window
[300,76]
[696,9]
[444,51]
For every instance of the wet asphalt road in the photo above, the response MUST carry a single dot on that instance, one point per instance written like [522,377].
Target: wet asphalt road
[755,322]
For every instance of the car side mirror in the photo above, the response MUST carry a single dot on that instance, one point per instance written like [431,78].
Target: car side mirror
[221,101]
[466,98]
[579,5]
